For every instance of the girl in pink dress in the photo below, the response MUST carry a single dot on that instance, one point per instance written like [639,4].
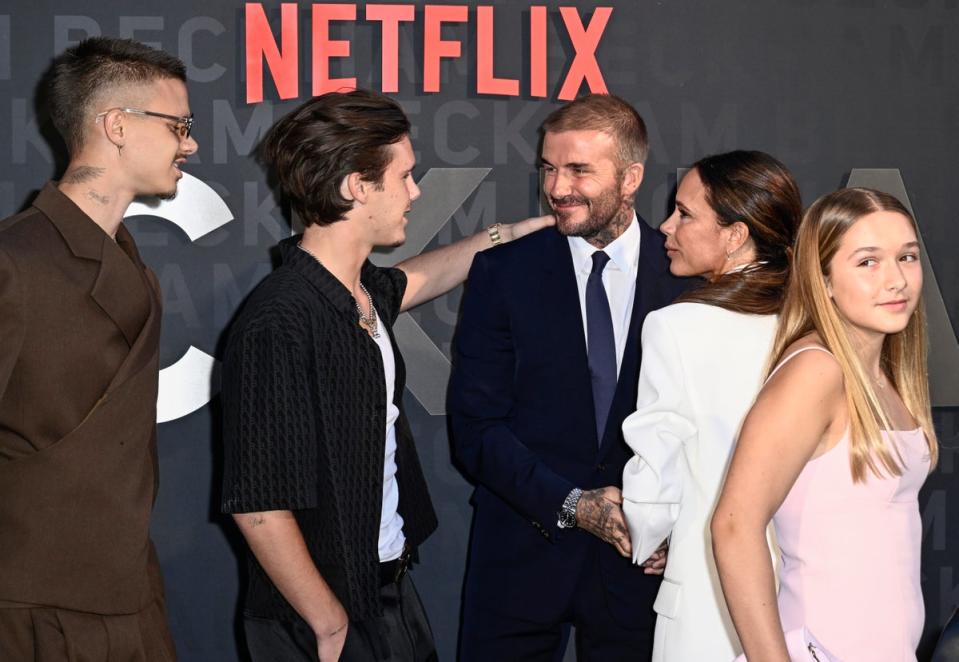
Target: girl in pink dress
[835,449]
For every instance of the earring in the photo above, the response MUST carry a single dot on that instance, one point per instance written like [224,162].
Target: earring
[120,150]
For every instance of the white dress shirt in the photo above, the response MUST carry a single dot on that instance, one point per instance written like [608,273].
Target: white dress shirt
[619,279]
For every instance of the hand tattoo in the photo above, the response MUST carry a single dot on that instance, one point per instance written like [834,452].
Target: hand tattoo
[600,513]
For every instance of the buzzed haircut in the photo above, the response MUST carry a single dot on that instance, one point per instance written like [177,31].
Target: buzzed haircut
[311,150]
[609,114]
[79,77]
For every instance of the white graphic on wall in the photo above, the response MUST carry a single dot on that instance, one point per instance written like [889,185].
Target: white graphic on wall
[198,210]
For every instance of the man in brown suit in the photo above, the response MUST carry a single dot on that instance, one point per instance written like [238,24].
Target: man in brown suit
[79,340]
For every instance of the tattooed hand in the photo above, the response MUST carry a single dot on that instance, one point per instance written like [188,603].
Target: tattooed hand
[600,512]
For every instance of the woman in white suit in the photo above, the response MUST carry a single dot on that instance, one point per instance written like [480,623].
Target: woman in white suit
[734,223]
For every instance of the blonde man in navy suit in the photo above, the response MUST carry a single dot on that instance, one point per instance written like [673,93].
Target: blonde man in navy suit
[546,361]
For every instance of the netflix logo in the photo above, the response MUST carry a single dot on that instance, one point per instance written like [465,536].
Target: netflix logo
[277,47]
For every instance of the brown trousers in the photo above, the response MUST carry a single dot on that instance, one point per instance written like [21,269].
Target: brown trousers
[48,634]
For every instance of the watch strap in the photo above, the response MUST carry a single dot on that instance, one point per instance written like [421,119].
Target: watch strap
[567,513]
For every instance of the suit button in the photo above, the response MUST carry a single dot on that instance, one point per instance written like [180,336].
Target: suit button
[601,467]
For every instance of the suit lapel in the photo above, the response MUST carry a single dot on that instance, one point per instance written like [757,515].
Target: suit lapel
[559,320]
[120,288]
[123,289]
[138,308]
[652,265]
[560,302]
[146,345]
[562,321]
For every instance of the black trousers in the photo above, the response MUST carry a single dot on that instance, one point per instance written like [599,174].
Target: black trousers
[401,634]
[491,634]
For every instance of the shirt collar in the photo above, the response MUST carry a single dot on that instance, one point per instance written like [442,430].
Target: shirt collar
[623,251]
[319,276]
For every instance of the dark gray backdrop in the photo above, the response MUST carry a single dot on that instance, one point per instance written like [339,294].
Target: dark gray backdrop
[827,86]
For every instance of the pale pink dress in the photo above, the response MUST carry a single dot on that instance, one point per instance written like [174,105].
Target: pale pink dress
[850,554]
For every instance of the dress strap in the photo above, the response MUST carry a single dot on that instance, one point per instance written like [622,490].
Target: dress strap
[798,351]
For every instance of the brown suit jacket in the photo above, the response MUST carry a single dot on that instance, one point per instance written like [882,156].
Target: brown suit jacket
[79,341]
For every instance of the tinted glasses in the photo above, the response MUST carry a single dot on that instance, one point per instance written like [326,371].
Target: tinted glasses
[182,125]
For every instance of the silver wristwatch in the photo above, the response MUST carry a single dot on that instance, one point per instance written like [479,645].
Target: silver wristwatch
[567,514]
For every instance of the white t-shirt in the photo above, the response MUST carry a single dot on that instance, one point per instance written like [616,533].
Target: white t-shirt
[391,539]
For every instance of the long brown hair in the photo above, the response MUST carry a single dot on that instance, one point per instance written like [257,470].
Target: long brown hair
[808,307]
[755,189]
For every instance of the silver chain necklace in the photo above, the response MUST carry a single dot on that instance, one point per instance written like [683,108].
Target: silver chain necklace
[367,322]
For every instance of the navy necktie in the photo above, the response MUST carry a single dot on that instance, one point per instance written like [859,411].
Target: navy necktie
[601,344]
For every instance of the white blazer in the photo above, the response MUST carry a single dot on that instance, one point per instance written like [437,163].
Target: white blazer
[702,368]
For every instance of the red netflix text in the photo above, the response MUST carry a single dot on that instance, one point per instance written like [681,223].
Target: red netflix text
[281,52]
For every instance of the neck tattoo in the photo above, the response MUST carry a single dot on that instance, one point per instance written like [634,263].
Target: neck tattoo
[81,174]
[612,230]
[96,197]
[367,322]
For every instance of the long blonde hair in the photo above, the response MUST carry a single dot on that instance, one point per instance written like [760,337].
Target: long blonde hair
[808,307]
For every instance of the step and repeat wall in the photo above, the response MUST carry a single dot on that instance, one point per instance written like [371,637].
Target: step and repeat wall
[844,92]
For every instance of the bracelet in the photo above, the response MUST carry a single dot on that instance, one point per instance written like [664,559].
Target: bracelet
[494,235]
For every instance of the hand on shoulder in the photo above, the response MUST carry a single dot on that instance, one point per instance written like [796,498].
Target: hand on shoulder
[528,226]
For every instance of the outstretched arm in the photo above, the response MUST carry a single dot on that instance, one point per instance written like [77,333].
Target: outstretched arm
[794,418]
[434,273]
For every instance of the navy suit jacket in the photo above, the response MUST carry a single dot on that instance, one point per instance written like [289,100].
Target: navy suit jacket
[521,408]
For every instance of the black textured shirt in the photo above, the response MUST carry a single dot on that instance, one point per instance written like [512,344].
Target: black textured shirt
[304,425]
